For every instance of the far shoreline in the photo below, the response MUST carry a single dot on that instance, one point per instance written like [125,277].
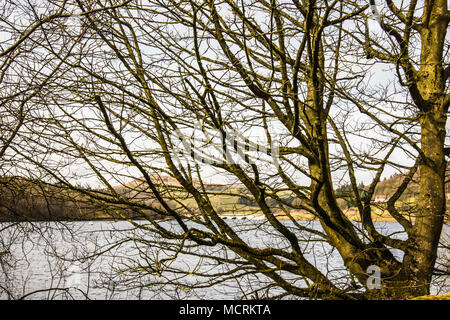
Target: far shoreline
[296,215]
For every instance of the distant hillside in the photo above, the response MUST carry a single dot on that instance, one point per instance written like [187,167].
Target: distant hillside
[388,186]
[26,200]
[140,185]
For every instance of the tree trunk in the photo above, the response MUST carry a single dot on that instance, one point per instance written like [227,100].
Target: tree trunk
[424,237]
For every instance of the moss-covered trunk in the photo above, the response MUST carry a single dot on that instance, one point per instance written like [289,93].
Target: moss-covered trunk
[424,237]
[419,261]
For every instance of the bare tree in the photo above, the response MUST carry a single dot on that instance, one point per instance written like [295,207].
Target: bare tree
[26,201]
[414,42]
[276,97]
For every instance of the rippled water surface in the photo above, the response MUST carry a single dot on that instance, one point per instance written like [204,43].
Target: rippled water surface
[63,261]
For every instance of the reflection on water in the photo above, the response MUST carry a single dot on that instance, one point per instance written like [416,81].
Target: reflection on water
[113,260]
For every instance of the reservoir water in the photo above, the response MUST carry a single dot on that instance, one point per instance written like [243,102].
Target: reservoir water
[116,260]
